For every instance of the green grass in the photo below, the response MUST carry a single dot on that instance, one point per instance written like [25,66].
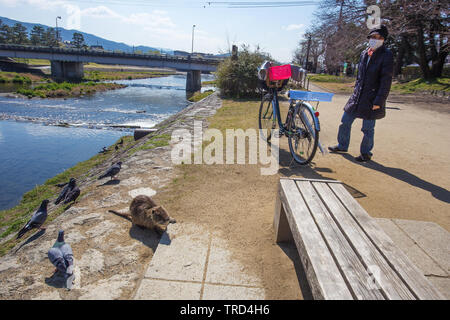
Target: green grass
[160,140]
[96,75]
[13,219]
[200,95]
[331,78]
[420,85]
[33,61]
[66,89]
[209,83]
[14,77]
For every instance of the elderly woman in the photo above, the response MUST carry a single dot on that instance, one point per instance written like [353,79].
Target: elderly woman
[368,100]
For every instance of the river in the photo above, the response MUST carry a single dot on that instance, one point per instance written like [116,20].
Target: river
[33,149]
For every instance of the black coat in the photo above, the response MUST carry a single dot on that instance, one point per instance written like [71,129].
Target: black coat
[372,85]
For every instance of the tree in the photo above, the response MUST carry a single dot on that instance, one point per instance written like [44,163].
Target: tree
[238,78]
[418,32]
[78,40]
[37,35]
[5,33]
[20,35]
[49,37]
[423,28]
[316,49]
[341,27]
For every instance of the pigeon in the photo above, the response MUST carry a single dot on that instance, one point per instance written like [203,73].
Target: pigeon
[66,190]
[61,256]
[121,141]
[72,195]
[37,219]
[112,171]
[116,147]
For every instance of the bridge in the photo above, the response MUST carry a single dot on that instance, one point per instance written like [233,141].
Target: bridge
[67,63]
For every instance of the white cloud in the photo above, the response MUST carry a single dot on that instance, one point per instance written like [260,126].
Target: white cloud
[292,27]
[158,27]
[99,12]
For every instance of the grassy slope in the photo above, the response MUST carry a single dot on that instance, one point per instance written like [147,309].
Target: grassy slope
[13,219]
[200,95]
[345,84]
[19,78]
[420,85]
[67,89]
[95,75]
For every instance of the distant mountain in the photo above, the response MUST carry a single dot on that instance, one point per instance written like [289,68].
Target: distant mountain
[89,39]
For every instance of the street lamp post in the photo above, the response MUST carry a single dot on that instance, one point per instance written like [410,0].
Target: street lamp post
[57,33]
[192,50]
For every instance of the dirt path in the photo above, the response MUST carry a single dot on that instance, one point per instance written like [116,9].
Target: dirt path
[407,179]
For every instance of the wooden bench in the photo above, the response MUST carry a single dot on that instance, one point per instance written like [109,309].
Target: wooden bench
[344,252]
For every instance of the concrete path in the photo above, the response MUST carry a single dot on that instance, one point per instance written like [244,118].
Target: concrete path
[193,264]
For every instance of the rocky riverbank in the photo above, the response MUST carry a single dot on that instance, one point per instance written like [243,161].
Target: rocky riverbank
[110,255]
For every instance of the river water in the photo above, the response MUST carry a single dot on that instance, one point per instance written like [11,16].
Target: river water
[33,149]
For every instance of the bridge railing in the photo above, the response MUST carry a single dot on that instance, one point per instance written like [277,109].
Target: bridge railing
[81,51]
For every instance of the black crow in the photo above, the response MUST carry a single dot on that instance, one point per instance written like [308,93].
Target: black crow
[72,183]
[72,195]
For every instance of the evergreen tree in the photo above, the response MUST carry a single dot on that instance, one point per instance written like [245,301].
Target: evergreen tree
[78,40]
[20,35]
[49,37]
[37,35]
[5,34]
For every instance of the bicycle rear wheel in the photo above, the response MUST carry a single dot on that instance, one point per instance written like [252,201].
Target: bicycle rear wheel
[266,118]
[304,135]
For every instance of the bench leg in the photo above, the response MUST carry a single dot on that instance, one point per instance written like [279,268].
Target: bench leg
[280,223]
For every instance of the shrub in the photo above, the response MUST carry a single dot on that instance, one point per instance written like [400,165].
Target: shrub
[239,78]
[200,95]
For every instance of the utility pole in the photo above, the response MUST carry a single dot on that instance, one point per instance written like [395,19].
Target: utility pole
[57,33]
[307,52]
[192,50]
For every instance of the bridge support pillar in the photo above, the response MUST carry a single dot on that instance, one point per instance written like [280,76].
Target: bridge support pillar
[193,81]
[67,70]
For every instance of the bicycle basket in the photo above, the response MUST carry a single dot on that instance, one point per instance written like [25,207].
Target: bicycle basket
[280,72]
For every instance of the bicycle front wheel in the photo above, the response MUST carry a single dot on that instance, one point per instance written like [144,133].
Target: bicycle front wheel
[266,118]
[303,134]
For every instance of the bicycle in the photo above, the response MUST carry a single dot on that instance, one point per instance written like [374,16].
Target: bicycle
[302,121]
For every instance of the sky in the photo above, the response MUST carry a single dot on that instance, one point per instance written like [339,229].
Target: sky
[169,24]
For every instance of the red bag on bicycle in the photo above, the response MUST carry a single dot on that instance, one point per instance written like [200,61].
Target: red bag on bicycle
[280,72]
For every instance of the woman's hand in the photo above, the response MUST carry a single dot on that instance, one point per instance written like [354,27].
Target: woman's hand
[375,107]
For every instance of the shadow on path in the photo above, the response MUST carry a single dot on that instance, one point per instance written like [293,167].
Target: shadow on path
[290,250]
[403,175]
[56,280]
[148,237]
[34,237]
[110,183]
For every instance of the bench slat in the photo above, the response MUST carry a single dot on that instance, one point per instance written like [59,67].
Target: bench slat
[413,277]
[387,279]
[323,275]
[348,262]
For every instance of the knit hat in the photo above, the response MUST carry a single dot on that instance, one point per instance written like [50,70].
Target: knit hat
[382,31]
